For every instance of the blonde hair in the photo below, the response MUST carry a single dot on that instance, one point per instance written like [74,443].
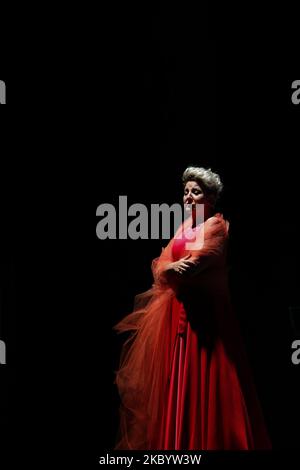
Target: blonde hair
[209,181]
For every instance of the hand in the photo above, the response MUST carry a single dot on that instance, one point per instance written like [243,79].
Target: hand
[180,267]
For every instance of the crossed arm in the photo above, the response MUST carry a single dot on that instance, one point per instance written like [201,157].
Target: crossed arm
[188,267]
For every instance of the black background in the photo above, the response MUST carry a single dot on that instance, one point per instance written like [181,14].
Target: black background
[120,106]
[193,93]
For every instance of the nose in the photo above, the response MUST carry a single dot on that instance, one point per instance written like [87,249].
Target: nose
[189,198]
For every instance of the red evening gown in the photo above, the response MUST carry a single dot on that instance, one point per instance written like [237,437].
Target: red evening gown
[183,380]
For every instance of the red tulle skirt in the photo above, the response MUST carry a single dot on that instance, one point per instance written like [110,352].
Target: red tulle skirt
[184,380]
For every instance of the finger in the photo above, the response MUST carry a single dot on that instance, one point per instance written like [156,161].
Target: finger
[180,269]
[184,266]
[187,264]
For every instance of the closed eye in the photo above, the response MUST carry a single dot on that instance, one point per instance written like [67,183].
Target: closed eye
[194,191]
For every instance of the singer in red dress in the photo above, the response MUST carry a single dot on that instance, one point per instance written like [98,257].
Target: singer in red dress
[183,380]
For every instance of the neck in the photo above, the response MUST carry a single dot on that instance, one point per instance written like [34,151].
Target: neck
[208,212]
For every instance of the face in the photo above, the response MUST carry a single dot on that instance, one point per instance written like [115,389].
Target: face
[193,194]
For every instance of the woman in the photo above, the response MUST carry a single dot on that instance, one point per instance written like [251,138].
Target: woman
[183,378]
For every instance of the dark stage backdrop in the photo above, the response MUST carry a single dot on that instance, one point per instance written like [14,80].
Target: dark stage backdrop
[178,91]
[121,109]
